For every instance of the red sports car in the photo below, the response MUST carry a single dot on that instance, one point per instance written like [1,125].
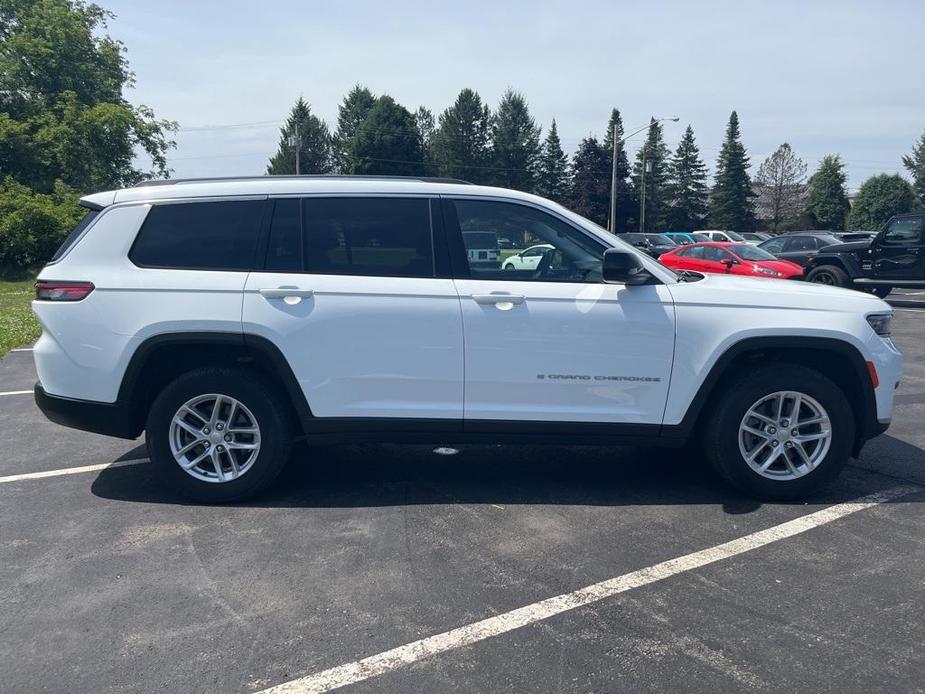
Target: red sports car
[729,258]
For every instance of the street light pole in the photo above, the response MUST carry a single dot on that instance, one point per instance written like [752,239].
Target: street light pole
[613,173]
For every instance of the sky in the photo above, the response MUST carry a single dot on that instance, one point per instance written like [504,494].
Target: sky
[828,77]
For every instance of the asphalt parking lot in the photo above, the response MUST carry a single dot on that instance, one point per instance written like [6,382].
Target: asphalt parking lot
[109,583]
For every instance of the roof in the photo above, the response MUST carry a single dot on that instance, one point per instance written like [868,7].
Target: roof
[297,185]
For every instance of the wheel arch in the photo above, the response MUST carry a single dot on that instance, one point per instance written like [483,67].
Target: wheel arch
[161,358]
[839,360]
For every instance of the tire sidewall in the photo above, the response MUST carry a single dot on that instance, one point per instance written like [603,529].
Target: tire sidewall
[244,387]
[841,278]
[723,437]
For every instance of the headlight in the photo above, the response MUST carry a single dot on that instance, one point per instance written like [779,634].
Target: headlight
[880,322]
[768,271]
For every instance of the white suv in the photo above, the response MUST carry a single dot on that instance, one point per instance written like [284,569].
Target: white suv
[227,318]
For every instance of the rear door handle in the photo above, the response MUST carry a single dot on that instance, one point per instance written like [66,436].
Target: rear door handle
[498,299]
[286,292]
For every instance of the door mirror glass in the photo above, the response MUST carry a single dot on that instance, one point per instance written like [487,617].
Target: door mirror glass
[621,267]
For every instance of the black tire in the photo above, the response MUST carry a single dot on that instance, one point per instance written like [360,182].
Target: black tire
[721,431]
[250,390]
[508,267]
[828,274]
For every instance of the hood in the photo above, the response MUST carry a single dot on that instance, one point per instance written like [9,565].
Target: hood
[736,290]
[847,247]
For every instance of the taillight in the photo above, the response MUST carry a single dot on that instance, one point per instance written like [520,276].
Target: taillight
[49,290]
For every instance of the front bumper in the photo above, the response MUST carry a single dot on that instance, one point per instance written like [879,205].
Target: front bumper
[109,419]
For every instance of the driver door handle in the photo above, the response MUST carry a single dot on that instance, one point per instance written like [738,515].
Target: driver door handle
[285,292]
[498,298]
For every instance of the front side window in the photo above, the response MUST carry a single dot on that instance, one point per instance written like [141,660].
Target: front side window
[754,253]
[562,253]
[715,254]
[695,252]
[199,236]
[377,237]
[904,231]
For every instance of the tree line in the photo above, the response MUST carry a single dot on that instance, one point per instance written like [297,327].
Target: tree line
[660,190]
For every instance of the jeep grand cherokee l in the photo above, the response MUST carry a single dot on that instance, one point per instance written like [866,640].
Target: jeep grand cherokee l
[227,318]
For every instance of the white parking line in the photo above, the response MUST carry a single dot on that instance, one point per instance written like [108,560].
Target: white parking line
[22,349]
[401,656]
[16,392]
[69,470]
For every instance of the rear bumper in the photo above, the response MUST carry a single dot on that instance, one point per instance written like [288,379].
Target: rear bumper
[109,419]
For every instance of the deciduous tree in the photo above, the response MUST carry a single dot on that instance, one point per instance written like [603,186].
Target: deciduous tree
[915,163]
[780,189]
[878,199]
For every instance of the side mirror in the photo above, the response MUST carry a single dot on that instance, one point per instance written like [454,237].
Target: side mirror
[620,267]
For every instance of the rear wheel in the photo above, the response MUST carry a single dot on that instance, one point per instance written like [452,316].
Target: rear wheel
[828,274]
[780,432]
[218,434]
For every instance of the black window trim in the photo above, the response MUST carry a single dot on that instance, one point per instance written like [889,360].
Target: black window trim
[261,230]
[458,256]
[438,246]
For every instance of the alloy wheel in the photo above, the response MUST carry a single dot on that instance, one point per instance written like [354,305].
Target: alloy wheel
[785,435]
[214,438]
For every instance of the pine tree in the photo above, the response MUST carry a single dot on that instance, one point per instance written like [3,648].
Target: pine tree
[687,187]
[828,198]
[553,177]
[915,163]
[350,114]
[731,204]
[626,198]
[387,142]
[461,141]
[654,156]
[515,144]
[779,183]
[589,190]
[424,123]
[315,148]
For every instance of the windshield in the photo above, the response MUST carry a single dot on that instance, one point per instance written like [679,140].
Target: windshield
[734,236]
[661,240]
[701,237]
[747,252]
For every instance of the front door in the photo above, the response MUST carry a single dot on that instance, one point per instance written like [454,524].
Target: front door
[351,296]
[554,343]
[897,253]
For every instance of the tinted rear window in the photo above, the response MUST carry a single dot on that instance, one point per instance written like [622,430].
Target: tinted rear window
[74,234]
[199,236]
[385,237]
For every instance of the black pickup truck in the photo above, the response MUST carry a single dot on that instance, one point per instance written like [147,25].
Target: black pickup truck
[895,257]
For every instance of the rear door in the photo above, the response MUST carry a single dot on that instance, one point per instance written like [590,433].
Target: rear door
[356,293]
[556,344]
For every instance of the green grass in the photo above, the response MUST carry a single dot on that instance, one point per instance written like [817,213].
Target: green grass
[18,325]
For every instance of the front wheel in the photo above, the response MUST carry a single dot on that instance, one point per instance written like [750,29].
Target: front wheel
[780,432]
[218,434]
[828,274]
[508,267]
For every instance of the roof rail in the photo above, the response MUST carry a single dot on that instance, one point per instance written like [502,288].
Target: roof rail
[350,177]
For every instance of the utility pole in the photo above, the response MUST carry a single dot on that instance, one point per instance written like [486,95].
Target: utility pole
[295,140]
[642,195]
[613,182]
